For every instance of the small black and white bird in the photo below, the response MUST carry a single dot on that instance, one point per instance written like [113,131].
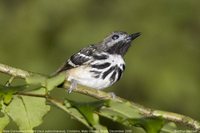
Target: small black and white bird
[100,65]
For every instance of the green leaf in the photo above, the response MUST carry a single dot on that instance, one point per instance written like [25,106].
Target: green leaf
[88,110]
[169,127]
[67,107]
[120,112]
[124,109]
[151,125]
[55,81]
[6,93]
[49,83]
[7,98]
[4,122]
[130,116]
[26,111]
[36,79]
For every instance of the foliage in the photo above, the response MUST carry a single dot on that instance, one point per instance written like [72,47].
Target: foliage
[162,66]
[28,107]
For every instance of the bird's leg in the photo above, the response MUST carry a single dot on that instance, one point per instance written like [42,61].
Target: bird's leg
[112,94]
[72,86]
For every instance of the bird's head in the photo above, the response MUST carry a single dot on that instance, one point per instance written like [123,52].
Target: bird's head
[118,42]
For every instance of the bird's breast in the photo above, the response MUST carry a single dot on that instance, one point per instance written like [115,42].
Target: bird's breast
[99,74]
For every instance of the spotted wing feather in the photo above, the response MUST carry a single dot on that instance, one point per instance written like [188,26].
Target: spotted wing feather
[83,57]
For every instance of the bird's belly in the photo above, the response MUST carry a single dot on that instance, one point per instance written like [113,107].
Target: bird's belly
[99,74]
[84,77]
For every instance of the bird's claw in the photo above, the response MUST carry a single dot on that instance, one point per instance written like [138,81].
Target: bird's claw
[73,86]
[112,94]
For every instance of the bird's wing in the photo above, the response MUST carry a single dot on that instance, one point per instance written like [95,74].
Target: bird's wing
[83,57]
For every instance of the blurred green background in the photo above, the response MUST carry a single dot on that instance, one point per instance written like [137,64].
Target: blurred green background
[163,66]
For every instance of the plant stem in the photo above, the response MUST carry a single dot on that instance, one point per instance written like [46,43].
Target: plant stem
[14,71]
[177,118]
[147,112]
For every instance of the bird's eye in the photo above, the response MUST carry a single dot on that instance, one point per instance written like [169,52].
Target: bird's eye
[114,37]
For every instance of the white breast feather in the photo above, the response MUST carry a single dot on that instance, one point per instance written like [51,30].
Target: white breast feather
[84,77]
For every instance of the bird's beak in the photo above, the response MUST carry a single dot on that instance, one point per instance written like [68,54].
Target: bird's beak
[134,35]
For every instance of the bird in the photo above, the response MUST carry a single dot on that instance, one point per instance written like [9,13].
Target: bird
[99,65]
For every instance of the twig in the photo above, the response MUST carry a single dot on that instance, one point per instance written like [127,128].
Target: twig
[182,119]
[170,116]
[102,95]
[9,81]
[14,71]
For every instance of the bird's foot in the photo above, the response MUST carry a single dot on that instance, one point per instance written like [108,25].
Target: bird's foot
[72,86]
[112,94]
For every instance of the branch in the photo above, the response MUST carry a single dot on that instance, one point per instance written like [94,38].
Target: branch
[14,71]
[169,116]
